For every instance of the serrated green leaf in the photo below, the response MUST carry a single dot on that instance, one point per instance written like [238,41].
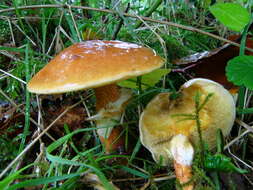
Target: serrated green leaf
[239,71]
[232,15]
[147,80]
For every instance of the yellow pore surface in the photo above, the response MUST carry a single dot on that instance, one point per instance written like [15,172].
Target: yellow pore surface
[92,64]
[161,119]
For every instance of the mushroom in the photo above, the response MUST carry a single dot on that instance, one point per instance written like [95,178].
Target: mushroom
[170,138]
[98,64]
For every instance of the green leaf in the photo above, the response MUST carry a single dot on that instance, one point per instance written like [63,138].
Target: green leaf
[239,71]
[147,80]
[232,15]
[220,162]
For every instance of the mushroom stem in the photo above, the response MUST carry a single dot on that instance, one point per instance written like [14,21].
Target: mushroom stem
[105,95]
[183,174]
[182,152]
[110,104]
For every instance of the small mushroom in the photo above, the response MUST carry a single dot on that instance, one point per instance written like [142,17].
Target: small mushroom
[98,64]
[170,138]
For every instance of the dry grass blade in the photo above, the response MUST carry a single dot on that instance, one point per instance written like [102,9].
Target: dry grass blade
[190,28]
[240,160]
[74,22]
[65,33]
[9,55]
[11,75]
[35,140]
[156,178]
[249,129]
[18,27]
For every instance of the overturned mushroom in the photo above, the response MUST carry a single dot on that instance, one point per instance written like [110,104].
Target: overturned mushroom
[98,64]
[170,139]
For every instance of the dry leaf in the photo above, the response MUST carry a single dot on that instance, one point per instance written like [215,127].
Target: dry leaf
[53,106]
[211,64]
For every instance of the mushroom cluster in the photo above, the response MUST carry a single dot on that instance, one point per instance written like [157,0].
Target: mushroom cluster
[172,139]
[98,64]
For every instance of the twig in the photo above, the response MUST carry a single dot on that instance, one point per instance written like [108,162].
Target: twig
[190,28]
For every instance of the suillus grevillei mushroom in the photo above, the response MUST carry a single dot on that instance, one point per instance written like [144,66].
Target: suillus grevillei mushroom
[98,64]
[171,140]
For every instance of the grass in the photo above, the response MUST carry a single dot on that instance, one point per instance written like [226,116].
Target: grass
[66,161]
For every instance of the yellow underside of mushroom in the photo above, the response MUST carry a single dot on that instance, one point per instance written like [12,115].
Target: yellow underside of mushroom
[164,119]
[161,121]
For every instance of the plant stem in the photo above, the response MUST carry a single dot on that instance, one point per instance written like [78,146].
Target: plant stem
[154,6]
[86,13]
[121,22]
[201,143]
[243,44]
[198,108]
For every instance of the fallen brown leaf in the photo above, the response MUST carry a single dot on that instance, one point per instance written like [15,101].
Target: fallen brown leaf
[212,64]
[53,106]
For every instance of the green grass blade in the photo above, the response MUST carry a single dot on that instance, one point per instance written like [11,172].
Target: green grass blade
[41,181]
[27,101]
[135,151]
[135,172]
[101,176]
[4,184]
[245,111]
[61,140]
[71,26]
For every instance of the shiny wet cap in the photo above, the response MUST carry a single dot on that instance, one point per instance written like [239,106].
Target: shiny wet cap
[93,64]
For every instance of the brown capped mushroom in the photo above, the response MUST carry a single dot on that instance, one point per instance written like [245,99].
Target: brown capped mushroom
[97,64]
[172,139]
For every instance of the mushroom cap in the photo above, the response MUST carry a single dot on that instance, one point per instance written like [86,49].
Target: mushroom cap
[92,64]
[160,121]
